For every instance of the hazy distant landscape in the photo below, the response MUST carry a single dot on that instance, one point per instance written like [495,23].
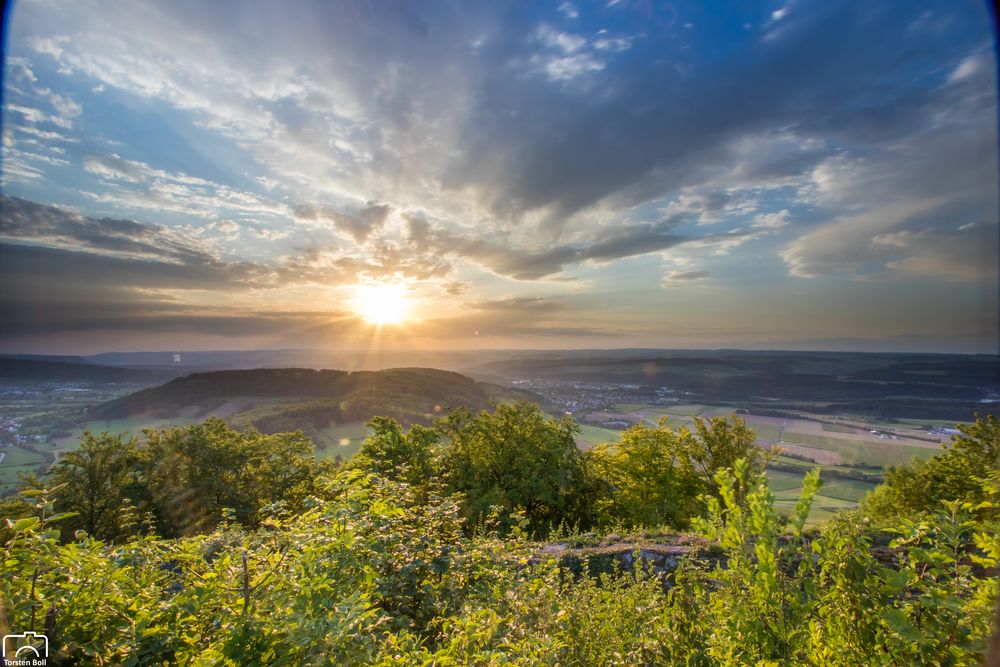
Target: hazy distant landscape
[853,415]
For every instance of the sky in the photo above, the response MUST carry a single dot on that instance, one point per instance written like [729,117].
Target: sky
[186,175]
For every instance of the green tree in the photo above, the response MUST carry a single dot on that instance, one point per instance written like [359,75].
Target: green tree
[657,475]
[101,481]
[652,480]
[955,474]
[393,454]
[197,472]
[515,458]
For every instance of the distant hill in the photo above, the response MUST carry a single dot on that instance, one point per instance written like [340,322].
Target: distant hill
[29,367]
[883,385]
[281,399]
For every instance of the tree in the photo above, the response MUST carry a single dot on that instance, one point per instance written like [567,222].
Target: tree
[657,475]
[391,453]
[957,474]
[197,472]
[516,458]
[100,480]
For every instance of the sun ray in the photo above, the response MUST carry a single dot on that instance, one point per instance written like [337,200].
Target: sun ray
[382,304]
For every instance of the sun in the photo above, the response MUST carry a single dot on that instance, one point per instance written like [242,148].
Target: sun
[382,304]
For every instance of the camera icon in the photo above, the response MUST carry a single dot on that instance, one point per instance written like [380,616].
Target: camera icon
[29,648]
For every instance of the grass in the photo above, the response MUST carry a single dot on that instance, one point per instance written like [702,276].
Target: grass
[18,460]
[767,432]
[127,426]
[837,428]
[341,439]
[818,514]
[782,480]
[595,435]
[8,476]
[883,453]
[835,495]
[688,410]
[846,489]
[932,422]
[18,456]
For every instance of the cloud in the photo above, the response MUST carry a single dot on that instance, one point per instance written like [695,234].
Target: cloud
[688,275]
[457,287]
[359,225]
[901,238]
[27,221]
[684,278]
[523,144]
[569,11]
[136,185]
[541,261]
[771,220]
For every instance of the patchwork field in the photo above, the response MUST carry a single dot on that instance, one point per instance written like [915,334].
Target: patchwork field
[856,451]
[591,436]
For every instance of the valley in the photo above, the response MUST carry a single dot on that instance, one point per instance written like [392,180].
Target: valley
[804,422]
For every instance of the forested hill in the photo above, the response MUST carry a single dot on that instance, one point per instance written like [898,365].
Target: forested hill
[72,369]
[262,396]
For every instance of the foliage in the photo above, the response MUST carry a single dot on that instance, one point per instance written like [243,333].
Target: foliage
[658,475]
[375,564]
[390,452]
[371,575]
[99,482]
[955,474]
[181,480]
[518,459]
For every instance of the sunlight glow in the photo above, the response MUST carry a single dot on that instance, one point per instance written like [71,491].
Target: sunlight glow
[382,304]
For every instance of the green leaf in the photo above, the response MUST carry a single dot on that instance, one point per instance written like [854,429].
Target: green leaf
[25,524]
[900,624]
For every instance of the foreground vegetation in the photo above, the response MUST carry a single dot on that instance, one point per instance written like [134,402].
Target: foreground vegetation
[208,546]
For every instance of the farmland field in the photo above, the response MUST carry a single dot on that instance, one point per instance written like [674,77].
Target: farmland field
[341,439]
[852,451]
[782,480]
[767,432]
[688,410]
[837,428]
[17,460]
[128,426]
[846,489]
[595,435]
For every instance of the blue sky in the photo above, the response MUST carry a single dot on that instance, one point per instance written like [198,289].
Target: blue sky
[188,175]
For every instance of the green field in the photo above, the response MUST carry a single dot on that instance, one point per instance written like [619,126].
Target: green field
[630,407]
[846,489]
[685,410]
[767,432]
[127,426]
[851,451]
[782,480]
[834,495]
[837,428]
[18,456]
[342,440]
[17,460]
[931,422]
[595,435]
